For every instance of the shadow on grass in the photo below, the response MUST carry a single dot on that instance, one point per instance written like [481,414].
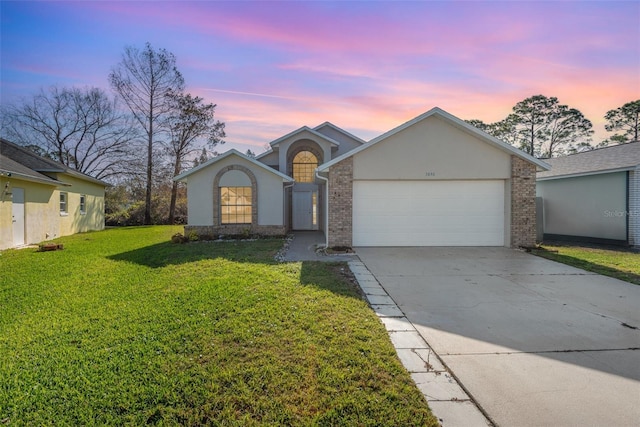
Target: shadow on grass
[589,266]
[167,253]
[332,276]
[335,277]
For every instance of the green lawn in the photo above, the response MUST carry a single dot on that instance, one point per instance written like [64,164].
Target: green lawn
[123,327]
[621,264]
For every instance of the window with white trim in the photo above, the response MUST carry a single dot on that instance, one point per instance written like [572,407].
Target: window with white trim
[235,205]
[83,204]
[64,198]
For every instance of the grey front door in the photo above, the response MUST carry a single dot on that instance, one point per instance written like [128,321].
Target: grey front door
[303,210]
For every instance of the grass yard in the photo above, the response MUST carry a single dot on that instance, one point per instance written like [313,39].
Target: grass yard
[124,328]
[621,264]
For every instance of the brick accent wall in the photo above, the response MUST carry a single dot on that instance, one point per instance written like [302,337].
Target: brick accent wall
[212,232]
[341,203]
[523,203]
[634,207]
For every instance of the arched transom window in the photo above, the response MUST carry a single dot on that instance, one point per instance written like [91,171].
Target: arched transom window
[304,164]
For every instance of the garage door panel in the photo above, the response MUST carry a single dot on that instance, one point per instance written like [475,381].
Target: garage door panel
[428,213]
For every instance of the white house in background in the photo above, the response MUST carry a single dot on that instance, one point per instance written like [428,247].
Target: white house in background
[41,199]
[593,195]
[432,181]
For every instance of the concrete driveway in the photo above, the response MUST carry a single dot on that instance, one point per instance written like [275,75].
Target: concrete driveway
[534,342]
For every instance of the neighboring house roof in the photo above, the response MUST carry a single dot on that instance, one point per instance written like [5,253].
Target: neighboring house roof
[616,158]
[29,161]
[461,124]
[11,168]
[182,177]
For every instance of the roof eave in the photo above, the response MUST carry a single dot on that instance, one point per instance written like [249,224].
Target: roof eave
[587,173]
[454,121]
[277,142]
[31,178]
[182,177]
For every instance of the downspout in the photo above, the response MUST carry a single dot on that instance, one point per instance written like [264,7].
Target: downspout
[326,204]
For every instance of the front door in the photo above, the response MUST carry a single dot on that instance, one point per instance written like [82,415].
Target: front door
[18,216]
[304,210]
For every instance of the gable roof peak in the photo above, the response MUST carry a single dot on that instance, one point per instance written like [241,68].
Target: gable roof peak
[453,120]
[234,152]
[276,142]
[340,130]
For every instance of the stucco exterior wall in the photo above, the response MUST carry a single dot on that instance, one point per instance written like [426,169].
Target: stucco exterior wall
[43,220]
[634,207]
[586,206]
[200,192]
[75,221]
[6,211]
[270,159]
[42,212]
[432,149]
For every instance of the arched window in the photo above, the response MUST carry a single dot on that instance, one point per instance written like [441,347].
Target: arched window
[235,204]
[236,198]
[304,164]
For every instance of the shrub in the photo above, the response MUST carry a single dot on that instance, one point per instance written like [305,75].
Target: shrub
[179,238]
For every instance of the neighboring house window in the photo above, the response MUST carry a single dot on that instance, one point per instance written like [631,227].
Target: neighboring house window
[63,202]
[235,205]
[304,164]
[83,204]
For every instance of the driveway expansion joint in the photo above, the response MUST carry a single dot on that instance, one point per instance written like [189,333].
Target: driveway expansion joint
[446,397]
[506,353]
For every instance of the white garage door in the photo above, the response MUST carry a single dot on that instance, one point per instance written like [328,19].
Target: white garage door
[428,213]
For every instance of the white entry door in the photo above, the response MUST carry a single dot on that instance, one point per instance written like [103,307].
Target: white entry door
[18,216]
[303,210]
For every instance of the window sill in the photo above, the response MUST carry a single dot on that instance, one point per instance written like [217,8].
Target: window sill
[64,213]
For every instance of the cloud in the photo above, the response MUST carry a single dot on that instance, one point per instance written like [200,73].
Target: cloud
[366,66]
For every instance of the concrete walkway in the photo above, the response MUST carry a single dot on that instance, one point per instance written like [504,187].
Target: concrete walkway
[303,248]
[531,341]
[447,400]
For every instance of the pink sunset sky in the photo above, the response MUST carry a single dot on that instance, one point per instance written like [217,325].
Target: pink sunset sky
[365,66]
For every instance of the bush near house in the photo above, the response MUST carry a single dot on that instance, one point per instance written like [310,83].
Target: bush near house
[125,327]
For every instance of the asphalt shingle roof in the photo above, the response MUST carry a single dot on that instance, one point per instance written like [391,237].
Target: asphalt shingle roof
[617,157]
[19,160]
[10,166]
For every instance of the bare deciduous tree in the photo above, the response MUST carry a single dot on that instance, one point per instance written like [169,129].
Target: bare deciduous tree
[189,121]
[81,128]
[144,78]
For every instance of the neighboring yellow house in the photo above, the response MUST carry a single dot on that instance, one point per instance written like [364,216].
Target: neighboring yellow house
[41,199]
